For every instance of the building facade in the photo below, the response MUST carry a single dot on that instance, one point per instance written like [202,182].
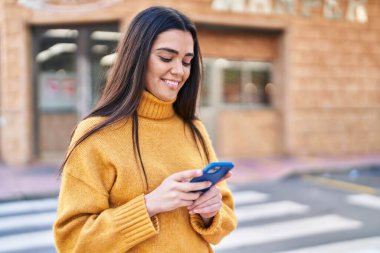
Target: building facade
[282,77]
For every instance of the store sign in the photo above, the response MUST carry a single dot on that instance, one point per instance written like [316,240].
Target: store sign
[332,9]
[71,6]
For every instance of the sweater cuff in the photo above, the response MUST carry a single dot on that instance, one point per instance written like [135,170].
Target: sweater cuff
[133,221]
[200,227]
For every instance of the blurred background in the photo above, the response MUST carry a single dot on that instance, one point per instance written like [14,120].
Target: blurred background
[291,94]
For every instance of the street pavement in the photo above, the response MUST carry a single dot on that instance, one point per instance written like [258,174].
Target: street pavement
[273,218]
[300,214]
[26,225]
[291,215]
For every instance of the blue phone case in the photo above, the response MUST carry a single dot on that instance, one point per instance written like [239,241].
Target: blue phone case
[213,172]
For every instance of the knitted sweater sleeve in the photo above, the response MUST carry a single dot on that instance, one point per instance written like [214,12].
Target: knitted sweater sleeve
[85,221]
[224,222]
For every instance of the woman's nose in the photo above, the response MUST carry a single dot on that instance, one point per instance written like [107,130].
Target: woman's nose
[177,68]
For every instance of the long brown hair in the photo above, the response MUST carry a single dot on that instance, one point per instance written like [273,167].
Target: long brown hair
[125,84]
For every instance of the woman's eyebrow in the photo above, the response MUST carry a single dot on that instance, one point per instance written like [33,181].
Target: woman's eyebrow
[170,50]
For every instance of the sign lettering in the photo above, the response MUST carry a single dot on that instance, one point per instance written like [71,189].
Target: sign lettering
[285,6]
[332,9]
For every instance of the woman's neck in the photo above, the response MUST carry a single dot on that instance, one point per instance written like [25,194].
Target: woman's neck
[154,108]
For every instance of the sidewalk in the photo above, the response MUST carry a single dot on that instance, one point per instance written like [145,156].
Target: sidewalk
[254,170]
[32,181]
[42,180]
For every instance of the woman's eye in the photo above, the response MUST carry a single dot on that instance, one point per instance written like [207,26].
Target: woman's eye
[186,64]
[165,59]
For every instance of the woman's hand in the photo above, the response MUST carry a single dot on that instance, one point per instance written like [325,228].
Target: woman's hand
[209,203]
[175,191]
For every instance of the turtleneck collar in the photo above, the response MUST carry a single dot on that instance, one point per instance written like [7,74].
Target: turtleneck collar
[154,108]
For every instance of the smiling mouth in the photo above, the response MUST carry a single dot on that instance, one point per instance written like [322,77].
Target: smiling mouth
[171,84]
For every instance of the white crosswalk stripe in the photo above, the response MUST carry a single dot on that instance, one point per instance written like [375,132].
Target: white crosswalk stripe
[25,221]
[281,230]
[24,206]
[27,215]
[249,208]
[366,245]
[270,210]
[365,200]
[26,225]
[247,197]
[26,241]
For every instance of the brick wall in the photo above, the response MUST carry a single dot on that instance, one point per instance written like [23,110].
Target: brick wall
[247,133]
[16,90]
[335,86]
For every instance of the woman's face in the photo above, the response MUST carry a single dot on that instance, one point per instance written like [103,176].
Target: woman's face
[169,64]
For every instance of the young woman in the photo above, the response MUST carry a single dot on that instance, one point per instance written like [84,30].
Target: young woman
[125,182]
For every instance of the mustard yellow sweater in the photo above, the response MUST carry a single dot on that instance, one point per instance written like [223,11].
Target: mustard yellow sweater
[101,203]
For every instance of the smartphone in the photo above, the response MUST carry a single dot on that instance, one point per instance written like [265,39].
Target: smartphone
[213,172]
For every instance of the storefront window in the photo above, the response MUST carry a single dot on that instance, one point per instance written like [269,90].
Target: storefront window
[69,65]
[102,55]
[236,82]
[257,88]
[231,85]
[56,59]
[69,57]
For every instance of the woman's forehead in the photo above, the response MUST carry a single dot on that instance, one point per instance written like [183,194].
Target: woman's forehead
[178,40]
